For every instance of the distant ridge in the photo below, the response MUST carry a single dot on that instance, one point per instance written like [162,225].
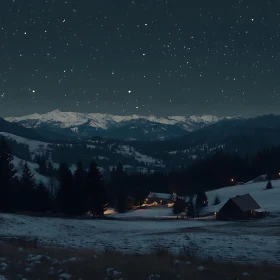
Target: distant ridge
[69,119]
[126,127]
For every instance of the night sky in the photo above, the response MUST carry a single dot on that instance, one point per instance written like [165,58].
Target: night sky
[175,57]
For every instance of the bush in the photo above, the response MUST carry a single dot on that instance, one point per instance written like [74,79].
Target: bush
[269,185]
[217,200]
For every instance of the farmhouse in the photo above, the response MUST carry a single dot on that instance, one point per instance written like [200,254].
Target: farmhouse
[241,207]
[161,198]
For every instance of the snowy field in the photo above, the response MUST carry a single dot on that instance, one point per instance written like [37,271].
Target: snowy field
[144,230]
[253,241]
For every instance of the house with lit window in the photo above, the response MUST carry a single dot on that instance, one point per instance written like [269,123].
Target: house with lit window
[241,207]
[160,198]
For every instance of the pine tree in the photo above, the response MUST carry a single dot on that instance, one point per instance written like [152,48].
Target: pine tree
[43,165]
[179,206]
[27,188]
[52,186]
[42,198]
[7,173]
[50,170]
[64,197]
[79,188]
[41,161]
[121,203]
[201,199]
[191,208]
[27,178]
[269,185]
[118,182]
[96,200]
[139,196]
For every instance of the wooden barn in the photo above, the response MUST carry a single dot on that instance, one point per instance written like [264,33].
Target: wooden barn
[241,207]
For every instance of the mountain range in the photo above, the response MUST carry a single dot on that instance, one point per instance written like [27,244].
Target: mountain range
[238,136]
[131,127]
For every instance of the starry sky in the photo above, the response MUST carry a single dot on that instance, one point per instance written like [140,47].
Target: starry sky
[162,57]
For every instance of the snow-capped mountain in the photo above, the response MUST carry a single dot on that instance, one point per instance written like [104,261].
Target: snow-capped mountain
[241,137]
[120,127]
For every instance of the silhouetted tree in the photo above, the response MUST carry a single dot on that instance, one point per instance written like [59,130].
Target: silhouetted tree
[119,183]
[121,204]
[65,196]
[269,185]
[42,198]
[201,199]
[139,196]
[27,189]
[53,188]
[179,206]
[191,207]
[96,201]
[42,162]
[50,169]
[7,173]
[79,188]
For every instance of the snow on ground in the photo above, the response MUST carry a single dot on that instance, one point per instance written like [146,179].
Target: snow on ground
[267,199]
[35,147]
[130,151]
[18,164]
[144,230]
[252,241]
[152,212]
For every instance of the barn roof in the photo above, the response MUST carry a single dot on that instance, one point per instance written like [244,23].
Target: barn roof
[245,202]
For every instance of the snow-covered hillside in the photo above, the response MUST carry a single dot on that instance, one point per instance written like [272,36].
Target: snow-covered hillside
[18,165]
[124,151]
[35,147]
[104,121]
[269,200]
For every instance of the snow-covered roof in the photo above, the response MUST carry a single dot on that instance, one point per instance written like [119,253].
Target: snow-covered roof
[161,195]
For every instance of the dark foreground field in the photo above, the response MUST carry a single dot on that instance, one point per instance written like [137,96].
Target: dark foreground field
[30,262]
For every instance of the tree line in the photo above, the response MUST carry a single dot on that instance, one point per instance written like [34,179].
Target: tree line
[75,194]
[87,189]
